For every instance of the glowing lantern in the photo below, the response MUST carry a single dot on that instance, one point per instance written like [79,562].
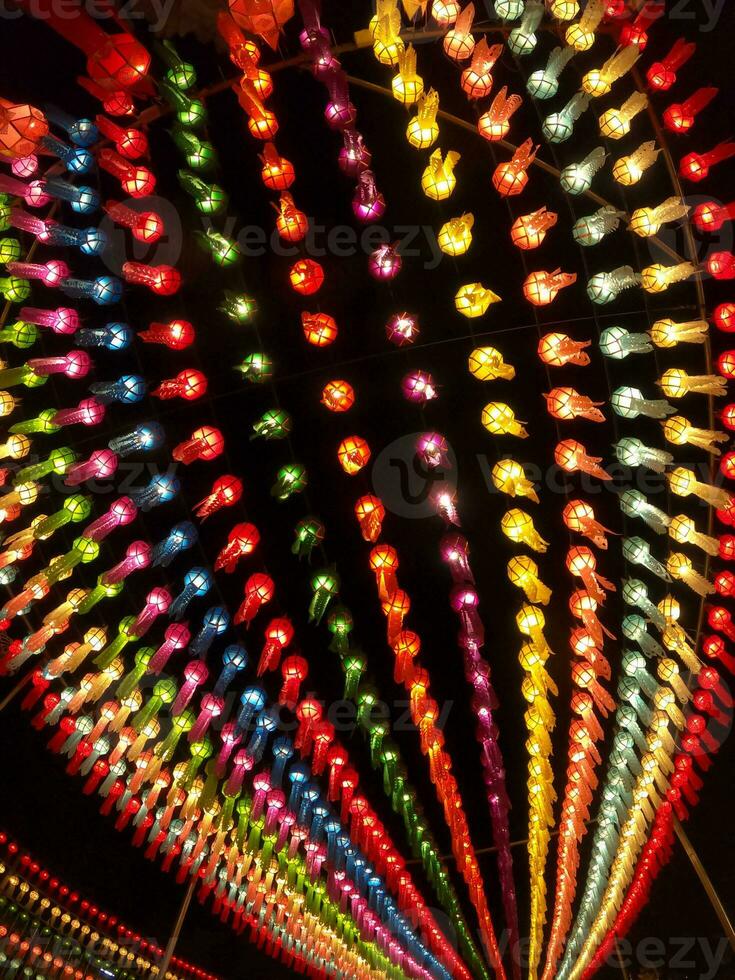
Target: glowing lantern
[564,9]
[679,431]
[473,300]
[680,117]
[509,477]
[477,80]
[711,216]
[724,317]
[423,128]
[205,443]
[368,204]
[726,367]
[590,230]
[557,349]
[306,277]
[495,123]
[696,166]
[320,329]
[628,170]
[522,39]
[598,82]
[455,236]
[509,9]
[241,542]
[580,518]
[21,129]
[419,386]
[662,74]
[292,224]
[438,179]
[290,479]
[511,178]
[278,173]
[541,288]
[256,368]
[529,230]
[606,286]
[353,454]
[385,262]
[647,222]
[445,12]
[487,364]
[264,18]
[666,333]
[684,483]
[727,416]
[273,424]
[615,123]
[338,396]
[721,265]
[370,514]
[544,83]
[402,329]
[262,123]
[629,403]
[680,568]
[519,528]
[577,177]
[499,420]
[581,36]
[163,280]
[385,27]
[146,226]
[188,385]
[567,403]
[407,85]
[573,457]
[459,42]
[433,449]
[657,278]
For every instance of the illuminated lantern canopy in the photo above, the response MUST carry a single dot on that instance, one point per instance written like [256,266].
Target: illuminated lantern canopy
[438,179]
[509,477]
[370,514]
[662,74]
[511,178]
[581,36]
[711,216]
[542,288]
[544,83]
[529,230]
[264,18]
[495,123]
[657,278]
[598,82]
[577,177]
[721,265]
[278,173]
[353,454]
[306,277]
[680,117]
[647,222]
[615,123]
[522,39]
[338,396]
[292,224]
[320,329]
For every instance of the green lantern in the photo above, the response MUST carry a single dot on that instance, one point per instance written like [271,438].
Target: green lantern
[273,424]
[309,533]
[290,479]
[256,367]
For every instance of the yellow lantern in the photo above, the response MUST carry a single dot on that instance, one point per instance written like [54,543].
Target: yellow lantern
[438,180]
[499,420]
[647,222]
[473,300]
[509,477]
[666,333]
[628,170]
[581,36]
[487,364]
[408,86]
[684,483]
[7,404]
[423,128]
[680,431]
[523,573]
[615,123]
[385,28]
[676,383]
[657,278]
[599,81]
[680,568]
[455,235]
[683,530]
[564,9]
[518,526]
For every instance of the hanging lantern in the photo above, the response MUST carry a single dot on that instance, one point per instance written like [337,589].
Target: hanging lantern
[402,329]
[522,39]
[306,277]
[591,230]
[320,329]
[353,454]
[509,477]
[459,43]
[542,288]
[509,179]
[628,170]
[278,173]
[662,74]
[407,85]
[647,222]
[519,528]
[723,317]
[666,333]
[205,443]
[721,265]
[581,36]
[445,12]
[544,82]
[433,449]
[559,126]
[495,123]
[477,80]
[22,127]
[455,236]
[679,431]
[473,300]
[291,224]
[579,517]
[657,278]
[499,420]
[564,9]
[696,166]
[567,403]
[615,123]
[680,117]
[711,216]
[438,179]
[385,262]
[423,129]
[598,82]
[264,18]
[577,177]
[338,396]
[368,204]
[387,42]
[529,230]
[557,349]
[418,386]
[606,286]
[487,364]
[573,457]
[370,514]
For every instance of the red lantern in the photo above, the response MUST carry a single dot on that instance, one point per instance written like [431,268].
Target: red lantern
[696,166]
[726,364]
[264,18]
[163,280]
[320,329]
[259,590]
[306,277]
[510,178]
[721,265]
[177,335]
[338,396]
[662,74]
[636,32]
[204,443]
[353,454]
[541,288]
[21,129]
[370,514]
[189,385]
[145,226]
[241,542]
[292,224]
[711,216]
[727,416]
[727,466]
[724,317]
[477,80]
[725,583]
[680,117]
[727,547]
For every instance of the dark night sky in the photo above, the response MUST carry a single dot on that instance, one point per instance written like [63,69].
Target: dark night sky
[40,805]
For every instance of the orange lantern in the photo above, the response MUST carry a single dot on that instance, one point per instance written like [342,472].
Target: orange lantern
[541,288]
[495,123]
[556,350]
[370,513]
[353,454]
[477,80]
[459,42]
[306,277]
[264,18]
[529,230]
[278,173]
[262,123]
[21,129]
[291,224]
[384,564]
[338,396]
[320,329]
[567,403]
[406,647]
[510,178]
[573,457]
